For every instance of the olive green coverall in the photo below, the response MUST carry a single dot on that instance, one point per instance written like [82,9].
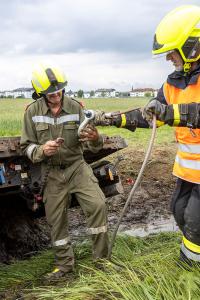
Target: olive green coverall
[69,174]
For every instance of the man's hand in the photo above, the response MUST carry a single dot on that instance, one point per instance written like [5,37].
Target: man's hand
[51,147]
[89,133]
[154,107]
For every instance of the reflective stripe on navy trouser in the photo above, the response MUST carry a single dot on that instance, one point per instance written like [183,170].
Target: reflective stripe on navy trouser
[186,208]
[82,183]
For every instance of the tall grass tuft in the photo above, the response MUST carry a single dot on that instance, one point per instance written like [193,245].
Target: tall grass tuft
[150,272]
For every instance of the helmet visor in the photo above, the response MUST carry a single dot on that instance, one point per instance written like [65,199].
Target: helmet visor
[58,91]
[162,54]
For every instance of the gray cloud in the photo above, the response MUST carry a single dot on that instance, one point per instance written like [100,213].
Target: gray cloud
[99,43]
[56,27]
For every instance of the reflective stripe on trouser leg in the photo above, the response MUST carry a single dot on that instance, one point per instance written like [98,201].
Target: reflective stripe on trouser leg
[190,250]
[55,199]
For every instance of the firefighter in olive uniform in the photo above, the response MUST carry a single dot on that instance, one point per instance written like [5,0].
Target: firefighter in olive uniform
[50,137]
[178,104]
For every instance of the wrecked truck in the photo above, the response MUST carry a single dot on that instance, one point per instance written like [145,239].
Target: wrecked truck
[21,206]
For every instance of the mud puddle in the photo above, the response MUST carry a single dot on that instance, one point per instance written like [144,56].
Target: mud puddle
[153,227]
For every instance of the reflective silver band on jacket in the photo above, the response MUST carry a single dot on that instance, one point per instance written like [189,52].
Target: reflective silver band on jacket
[187,163]
[189,254]
[30,149]
[61,242]
[53,121]
[97,230]
[192,148]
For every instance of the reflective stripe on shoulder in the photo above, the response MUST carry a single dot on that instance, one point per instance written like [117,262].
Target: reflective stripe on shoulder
[97,230]
[61,242]
[30,149]
[189,148]
[186,163]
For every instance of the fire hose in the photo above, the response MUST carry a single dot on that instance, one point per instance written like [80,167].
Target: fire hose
[90,115]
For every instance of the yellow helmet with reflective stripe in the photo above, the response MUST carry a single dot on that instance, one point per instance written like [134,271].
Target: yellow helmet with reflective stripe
[179,30]
[47,79]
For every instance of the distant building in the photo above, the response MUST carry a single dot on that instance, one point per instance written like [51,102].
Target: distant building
[70,93]
[86,95]
[18,93]
[142,92]
[105,93]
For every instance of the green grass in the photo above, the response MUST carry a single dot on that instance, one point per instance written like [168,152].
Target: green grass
[150,273]
[12,112]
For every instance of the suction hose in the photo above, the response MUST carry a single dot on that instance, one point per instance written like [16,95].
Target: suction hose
[147,156]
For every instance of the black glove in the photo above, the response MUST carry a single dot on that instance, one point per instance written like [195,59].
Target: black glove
[183,115]
[154,107]
[130,120]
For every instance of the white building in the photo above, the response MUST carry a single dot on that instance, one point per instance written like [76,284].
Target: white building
[105,93]
[18,93]
[142,92]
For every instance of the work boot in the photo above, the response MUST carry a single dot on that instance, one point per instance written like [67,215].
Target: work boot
[57,274]
[107,266]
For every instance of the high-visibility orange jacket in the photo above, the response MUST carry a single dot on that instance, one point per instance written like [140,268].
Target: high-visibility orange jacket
[179,90]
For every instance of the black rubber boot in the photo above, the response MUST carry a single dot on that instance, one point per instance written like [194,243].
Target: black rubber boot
[186,263]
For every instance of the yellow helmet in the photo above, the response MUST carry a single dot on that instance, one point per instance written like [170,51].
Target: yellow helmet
[179,30]
[47,79]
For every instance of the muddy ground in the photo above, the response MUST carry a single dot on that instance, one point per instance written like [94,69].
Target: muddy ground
[21,237]
[151,200]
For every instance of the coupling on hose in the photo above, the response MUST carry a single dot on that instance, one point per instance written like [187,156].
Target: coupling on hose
[89,116]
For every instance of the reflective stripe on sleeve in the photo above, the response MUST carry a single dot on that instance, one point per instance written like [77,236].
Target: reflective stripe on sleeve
[61,242]
[30,149]
[123,124]
[176,115]
[97,229]
[159,123]
[195,149]
[186,163]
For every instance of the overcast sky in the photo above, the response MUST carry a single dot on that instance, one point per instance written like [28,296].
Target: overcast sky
[98,43]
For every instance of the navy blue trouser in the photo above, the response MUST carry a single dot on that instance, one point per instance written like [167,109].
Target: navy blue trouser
[185,206]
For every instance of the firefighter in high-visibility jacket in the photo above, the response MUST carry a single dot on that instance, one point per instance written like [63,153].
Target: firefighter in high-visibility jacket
[178,37]
[178,104]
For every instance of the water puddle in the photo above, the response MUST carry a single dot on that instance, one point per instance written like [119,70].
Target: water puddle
[156,226]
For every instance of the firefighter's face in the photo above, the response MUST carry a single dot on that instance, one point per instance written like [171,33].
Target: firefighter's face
[176,59]
[54,98]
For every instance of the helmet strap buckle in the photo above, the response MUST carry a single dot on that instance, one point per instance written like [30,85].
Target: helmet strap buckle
[187,67]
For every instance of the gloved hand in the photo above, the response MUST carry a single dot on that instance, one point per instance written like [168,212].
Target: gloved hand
[154,107]
[130,120]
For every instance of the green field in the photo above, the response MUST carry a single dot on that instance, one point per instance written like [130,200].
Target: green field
[150,273]
[12,112]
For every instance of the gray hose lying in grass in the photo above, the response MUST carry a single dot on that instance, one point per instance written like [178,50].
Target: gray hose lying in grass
[148,153]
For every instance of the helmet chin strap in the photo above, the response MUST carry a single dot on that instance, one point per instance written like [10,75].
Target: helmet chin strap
[186,67]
